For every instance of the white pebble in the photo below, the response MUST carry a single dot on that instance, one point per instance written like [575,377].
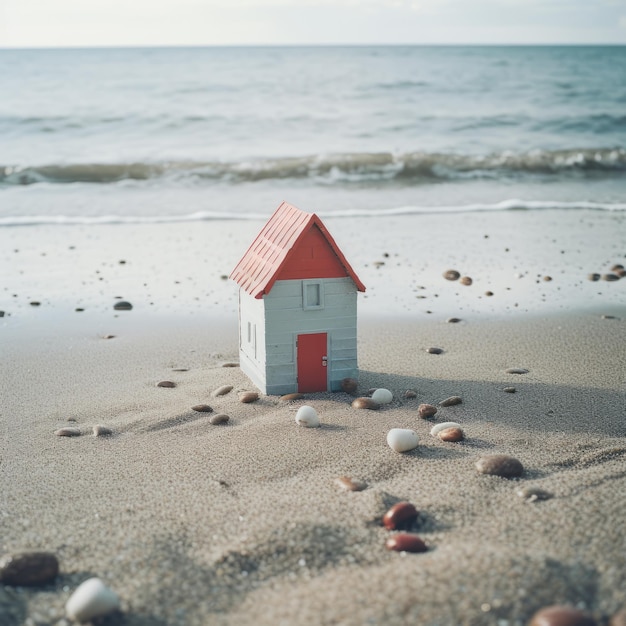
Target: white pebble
[90,600]
[307,416]
[402,439]
[382,396]
[437,428]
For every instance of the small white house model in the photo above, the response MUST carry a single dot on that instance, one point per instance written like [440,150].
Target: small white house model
[297,307]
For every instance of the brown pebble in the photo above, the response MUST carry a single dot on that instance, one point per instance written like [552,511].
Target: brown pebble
[516,370]
[101,431]
[122,305]
[619,619]
[289,397]
[365,403]
[350,484]
[349,385]
[248,396]
[451,434]
[222,391]
[406,542]
[400,516]
[409,394]
[108,336]
[451,275]
[621,273]
[500,465]
[451,401]
[547,279]
[166,383]
[617,267]
[593,277]
[610,277]
[509,389]
[28,568]
[453,320]
[230,364]
[466,280]
[561,616]
[180,369]
[202,408]
[489,293]
[434,351]
[35,303]
[67,431]
[426,410]
[219,418]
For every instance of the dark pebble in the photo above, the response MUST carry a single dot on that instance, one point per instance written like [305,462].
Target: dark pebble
[349,385]
[400,516]
[35,303]
[1,313]
[489,293]
[248,396]
[108,336]
[180,369]
[617,267]
[28,568]
[593,277]
[621,273]
[451,401]
[202,408]
[451,275]
[410,394]
[79,310]
[500,465]
[453,320]
[230,364]
[434,351]
[561,616]
[466,280]
[509,389]
[365,403]
[609,277]
[122,305]
[219,418]
[516,370]
[166,383]
[452,434]
[406,542]
[426,410]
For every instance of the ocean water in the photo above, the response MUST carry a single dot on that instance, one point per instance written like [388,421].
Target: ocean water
[151,135]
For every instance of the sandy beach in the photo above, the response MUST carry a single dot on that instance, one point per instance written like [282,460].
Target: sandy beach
[244,522]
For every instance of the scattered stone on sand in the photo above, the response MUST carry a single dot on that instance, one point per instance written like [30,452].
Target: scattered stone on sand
[434,350]
[382,396]
[451,435]
[406,542]
[593,276]
[202,408]
[619,619]
[561,616]
[166,383]
[222,391]
[122,305]
[466,280]
[68,431]
[437,428]
[108,336]
[500,465]
[451,401]
[533,494]
[451,275]
[621,273]
[347,483]
[290,397]
[365,403]
[617,267]
[509,390]
[79,309]
[409,394]
[1,313]
[402,439]
[349,385]
[90,600]
[453,320]
[35,303]
[101,431]
[547,279]
[72,419]
[608,277]
[426,410]
[608,317]
[516,370]
[27,569]
[219,418]
[307,416]
[180,369]
[401,516]
[230,364]
[248,396]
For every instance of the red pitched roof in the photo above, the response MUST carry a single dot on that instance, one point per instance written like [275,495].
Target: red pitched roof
[293,244]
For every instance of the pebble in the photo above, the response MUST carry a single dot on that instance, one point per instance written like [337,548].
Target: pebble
[67,431]
[101,431]
[437,428]
[248,396]
[180,369]
[466,280]
[608,277]
[122,305]
[516,370]
[593,277]
[222,391]
[451,275]
[500,465]
[349,385]
[166,383]
[382,396]
[451,401]
[402,439]
[617,267]
[426,410]
[108,336]
[365,403]
[509,389]
[28,568]
[453,320]
[219,418]
[289,397]
[489,293]
[35,303]
[532,494]
[406,542]
[230,364]
[410,394]
[451,434]
[434,351]
[202,408]
[547,279]
[561,616]
[307,416]
[90,600]
[348,483]
[400,516]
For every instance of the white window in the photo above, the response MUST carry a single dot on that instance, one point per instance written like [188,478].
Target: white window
[312,294]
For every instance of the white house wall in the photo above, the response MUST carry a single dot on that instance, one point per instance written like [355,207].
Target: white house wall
[252,354]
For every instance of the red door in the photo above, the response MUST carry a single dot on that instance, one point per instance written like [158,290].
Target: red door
[312,351]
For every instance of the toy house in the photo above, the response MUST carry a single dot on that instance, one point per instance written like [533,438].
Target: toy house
[297,307]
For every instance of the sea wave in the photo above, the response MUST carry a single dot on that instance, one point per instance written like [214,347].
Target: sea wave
[336,169]
[203,216]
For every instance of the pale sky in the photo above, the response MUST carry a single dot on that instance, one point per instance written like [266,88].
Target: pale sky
[53,23]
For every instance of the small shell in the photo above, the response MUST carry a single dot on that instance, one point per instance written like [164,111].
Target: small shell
[307,416]
[382,396]
[402,439]
[439,427]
